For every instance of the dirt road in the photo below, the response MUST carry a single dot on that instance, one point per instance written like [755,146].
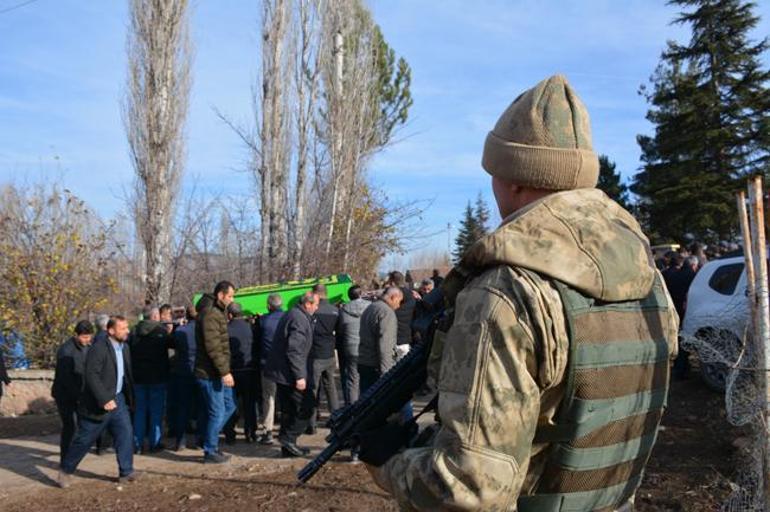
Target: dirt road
[689,470]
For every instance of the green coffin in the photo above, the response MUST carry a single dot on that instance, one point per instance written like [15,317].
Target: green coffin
[253,299]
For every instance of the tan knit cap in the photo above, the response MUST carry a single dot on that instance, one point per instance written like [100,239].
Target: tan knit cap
[543,140]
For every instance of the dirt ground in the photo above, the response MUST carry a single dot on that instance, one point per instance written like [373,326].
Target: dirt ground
[690,467]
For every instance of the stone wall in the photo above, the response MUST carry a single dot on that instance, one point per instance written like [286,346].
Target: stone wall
[29,393]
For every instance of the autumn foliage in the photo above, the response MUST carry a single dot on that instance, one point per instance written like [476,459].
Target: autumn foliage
[53,266]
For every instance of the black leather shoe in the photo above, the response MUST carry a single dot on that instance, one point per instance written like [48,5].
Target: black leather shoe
[215,458]
[158,448]
[292,450]
[310,430]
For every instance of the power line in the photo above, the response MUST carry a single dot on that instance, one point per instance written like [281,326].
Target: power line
[17,6]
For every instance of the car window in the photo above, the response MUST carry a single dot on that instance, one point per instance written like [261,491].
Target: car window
[725,278]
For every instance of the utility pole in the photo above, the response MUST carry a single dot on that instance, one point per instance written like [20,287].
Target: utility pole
[449,241]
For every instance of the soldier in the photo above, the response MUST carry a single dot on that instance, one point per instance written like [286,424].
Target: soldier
[555,370]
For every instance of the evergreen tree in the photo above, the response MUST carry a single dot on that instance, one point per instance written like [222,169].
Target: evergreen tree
[711,109]
[466,235]
[481,213]
[610,182]
[472,227]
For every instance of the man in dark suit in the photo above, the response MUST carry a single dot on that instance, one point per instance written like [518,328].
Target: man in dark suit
[243,365]
[105,402]
[287,366]
[322,362]
[68,381]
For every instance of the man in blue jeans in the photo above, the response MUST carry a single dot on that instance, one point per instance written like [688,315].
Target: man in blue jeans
[149,343]
[212,368]
[105,401]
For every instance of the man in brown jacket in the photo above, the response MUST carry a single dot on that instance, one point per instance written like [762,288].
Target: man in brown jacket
[212,368]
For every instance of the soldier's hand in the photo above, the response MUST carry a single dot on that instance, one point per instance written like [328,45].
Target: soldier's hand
[380,444]
[228,381]
[110,406]
[301,385]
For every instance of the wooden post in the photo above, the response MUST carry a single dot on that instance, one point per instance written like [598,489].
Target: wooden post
[762,318]
[743,217]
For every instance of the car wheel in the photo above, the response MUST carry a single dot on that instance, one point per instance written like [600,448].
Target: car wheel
[714,373]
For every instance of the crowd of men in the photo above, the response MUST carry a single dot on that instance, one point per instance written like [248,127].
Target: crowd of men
[200,377]
[679,269]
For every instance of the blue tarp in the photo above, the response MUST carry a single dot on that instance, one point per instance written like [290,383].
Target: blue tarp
[13,347]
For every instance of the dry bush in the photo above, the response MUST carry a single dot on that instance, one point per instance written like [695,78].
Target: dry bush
[54,266]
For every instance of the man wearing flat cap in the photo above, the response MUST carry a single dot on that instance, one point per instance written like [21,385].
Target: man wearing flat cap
[554,373]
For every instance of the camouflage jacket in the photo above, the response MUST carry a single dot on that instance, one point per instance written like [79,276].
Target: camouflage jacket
[504,358]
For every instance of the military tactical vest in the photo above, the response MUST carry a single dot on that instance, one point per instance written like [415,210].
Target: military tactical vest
[617,384]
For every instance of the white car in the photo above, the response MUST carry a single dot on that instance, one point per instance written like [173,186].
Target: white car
[717,315]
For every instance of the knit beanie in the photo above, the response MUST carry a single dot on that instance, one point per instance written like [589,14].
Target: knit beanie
[543,140]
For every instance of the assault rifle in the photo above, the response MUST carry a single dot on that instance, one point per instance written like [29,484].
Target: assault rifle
[386,396]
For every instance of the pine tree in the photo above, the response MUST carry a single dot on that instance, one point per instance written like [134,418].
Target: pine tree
[472,227]
[466,235]
[711,109]
[610,182]
[481,213]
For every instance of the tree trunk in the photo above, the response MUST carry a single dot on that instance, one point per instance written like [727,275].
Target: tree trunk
[154,114]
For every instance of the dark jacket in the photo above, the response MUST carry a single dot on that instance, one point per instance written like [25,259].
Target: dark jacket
[70,369]
[149,343]
[287,362]
[242,346]
[101,379]
[405,315]
[349,325]
[379,327]
[324,331]
[268,327]
[678,281]
[212,352]
[184,345]
[4,378]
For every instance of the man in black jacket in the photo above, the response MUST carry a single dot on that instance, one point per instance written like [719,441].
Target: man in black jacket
[322,363]
[287,367]
[105,402]
[149,343]
[68,381]
[4,378]
[243,361]
[182,377]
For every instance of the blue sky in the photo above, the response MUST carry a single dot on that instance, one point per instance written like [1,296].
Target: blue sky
[62,70]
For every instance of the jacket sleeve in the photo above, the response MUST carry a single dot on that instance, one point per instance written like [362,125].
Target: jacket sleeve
[489,405]
[66,376]
[96,361]
[216,340]
[298,340]
[386,345]
[3,372]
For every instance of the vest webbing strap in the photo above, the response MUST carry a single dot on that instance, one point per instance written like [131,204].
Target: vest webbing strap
[600,412]
[577,501]
[602,355]
[578,459]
